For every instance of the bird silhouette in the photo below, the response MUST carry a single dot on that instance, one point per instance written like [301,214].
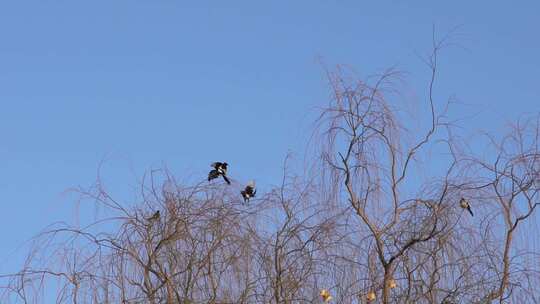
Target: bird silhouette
[463,203]
[154,216]
[249,191]
[220,169]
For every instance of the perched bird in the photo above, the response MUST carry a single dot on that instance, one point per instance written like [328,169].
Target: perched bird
[219,169]
[371,296]
[154,216]
[463,203]
[392,284]
[325,295]
[249,191]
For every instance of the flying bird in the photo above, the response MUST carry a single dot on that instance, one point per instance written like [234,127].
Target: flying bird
[325,295]
[220,169]
[463,203]
[249,192]
[154,216]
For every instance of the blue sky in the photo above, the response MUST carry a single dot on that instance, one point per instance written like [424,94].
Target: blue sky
[146,83]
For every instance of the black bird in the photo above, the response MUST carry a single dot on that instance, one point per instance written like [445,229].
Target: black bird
[154,216]
[249,191]
[463,203]
[219,169]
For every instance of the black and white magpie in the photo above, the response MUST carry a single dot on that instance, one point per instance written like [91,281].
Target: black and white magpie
[463,203]
[219,169]
[249,191]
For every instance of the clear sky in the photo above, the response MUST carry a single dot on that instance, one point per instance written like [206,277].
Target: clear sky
[146,83]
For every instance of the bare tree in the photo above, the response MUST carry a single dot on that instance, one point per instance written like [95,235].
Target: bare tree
[415,233]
